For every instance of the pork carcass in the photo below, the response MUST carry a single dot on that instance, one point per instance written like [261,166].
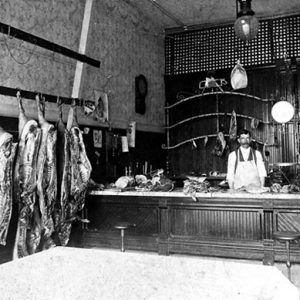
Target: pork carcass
[63,180]
[46,174]
[25,174]
[80,172]
[7,154]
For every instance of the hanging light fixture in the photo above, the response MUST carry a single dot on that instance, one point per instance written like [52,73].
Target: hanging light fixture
[246,25]
[282,111]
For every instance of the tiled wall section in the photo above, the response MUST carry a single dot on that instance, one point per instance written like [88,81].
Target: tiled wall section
[126,43]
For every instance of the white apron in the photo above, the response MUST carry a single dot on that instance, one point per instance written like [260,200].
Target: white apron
[246,174]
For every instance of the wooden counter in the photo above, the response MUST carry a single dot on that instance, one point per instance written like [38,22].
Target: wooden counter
[235,225]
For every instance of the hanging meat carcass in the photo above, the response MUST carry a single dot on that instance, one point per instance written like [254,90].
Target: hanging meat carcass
[25,174]
[7,154]
[63,180]
[80,172]
[233,126]
[219,148]
[46,175]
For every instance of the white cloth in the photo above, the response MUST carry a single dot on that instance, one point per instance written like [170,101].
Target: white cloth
[245,168]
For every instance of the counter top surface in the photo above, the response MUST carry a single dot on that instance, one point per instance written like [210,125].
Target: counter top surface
[73,273]
[225,194]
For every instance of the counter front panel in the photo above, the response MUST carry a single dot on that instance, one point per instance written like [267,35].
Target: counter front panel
[235,225]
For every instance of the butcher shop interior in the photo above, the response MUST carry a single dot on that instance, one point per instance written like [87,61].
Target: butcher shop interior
[150,149]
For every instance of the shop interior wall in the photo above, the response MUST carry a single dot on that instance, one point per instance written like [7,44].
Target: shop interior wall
[272,83]
[120,36]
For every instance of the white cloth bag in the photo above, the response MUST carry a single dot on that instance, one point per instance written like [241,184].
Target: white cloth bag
[238,77]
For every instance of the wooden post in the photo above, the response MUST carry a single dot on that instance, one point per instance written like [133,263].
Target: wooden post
[163,231]
[82,48]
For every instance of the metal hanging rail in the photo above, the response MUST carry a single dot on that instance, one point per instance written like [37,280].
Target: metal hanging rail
[217,93]
[163,146]
[7,91]
[30,38]
[210,115]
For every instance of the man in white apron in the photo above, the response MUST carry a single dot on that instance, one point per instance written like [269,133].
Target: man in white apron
[245,165]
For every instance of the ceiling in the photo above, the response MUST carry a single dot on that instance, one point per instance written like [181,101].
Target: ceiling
[186,13]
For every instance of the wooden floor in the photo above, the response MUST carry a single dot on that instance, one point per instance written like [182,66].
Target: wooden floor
[5,254]
[7,250]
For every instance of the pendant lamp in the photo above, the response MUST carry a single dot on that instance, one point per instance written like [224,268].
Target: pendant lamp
[282,111]
[246,25]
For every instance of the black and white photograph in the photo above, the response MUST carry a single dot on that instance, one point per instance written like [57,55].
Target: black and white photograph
[150,150]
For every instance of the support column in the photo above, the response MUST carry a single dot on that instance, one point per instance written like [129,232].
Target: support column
[76,91]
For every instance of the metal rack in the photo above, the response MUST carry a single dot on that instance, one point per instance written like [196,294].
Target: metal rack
[168,127]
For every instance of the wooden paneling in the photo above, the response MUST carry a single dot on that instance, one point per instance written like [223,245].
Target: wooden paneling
[105,215]
[240,227]
[287,221]
[217,224]
[269,83]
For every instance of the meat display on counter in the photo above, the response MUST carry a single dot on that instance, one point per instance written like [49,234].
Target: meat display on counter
[7,154]
[194,185]
[158,182]
[288,188]
[25,174]
[256,189]
[124,182]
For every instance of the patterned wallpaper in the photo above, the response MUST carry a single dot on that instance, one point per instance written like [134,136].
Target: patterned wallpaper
[126,43]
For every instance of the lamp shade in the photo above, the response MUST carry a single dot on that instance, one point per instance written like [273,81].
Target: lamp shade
[246,27]
[282,111]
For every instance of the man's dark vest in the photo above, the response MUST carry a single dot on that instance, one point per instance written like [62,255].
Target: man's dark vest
[252,156]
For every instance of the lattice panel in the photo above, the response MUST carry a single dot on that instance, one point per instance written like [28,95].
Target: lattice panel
[219,48]
[294,36]
[168,54]
[286,35]
[280,37]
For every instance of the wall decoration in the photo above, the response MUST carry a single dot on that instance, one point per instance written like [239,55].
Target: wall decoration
[141,90]
[97,138]
[124,144]
[131,134]
[88,108]
[101,106]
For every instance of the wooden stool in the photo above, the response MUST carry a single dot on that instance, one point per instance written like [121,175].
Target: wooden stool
[287,237]
[123,226]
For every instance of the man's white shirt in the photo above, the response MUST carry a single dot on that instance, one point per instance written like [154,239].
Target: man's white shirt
[245,152]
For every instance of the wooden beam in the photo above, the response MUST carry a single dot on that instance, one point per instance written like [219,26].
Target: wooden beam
[82,48]
[30,38]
